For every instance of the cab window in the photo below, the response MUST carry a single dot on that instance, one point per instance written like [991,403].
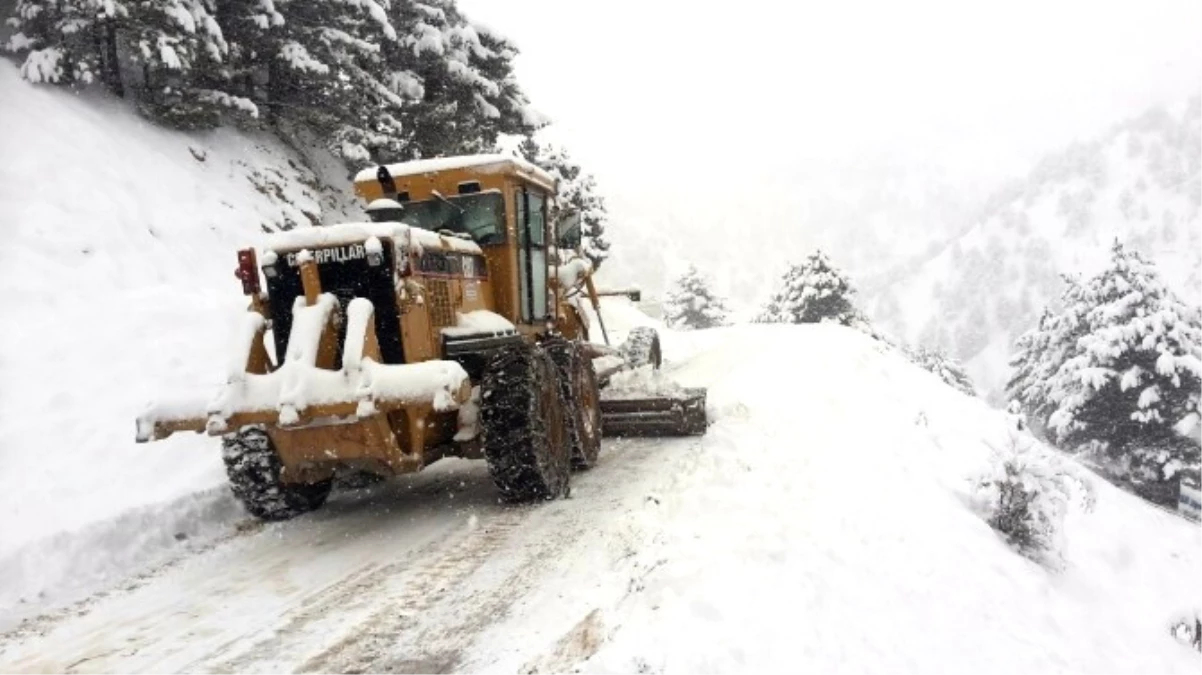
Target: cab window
[530,208]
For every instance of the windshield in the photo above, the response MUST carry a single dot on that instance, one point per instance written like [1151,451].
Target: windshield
[480,215]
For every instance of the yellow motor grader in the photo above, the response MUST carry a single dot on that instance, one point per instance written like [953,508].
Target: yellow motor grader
[450,323]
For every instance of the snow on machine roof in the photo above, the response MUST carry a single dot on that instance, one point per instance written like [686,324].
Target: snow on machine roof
[353,233]
[492,163]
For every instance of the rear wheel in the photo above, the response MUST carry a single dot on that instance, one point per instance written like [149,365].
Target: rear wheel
[578,387]
[254,471]
[522,425]
[641,348]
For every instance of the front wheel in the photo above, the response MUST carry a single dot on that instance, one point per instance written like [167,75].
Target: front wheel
[254,469]
[641,348]
[522,425]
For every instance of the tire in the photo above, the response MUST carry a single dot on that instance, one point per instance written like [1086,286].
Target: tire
[356,480]
[254,471]
[642,348]
[522,425]
[578,387]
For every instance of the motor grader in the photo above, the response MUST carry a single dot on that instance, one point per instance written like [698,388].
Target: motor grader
[450,323]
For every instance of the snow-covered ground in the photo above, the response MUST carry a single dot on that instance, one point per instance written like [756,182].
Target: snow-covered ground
[117,286]
[826,521]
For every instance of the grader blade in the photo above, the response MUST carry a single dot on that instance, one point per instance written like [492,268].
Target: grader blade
[681,414]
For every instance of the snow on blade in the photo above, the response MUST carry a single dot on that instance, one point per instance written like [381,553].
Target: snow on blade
[436,381]
[170,409]
[643,382]
[298,384]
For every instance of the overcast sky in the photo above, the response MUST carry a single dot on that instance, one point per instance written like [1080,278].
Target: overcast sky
[712,114]
[980,87]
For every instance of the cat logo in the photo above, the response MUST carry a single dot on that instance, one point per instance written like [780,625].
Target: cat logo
[338,254]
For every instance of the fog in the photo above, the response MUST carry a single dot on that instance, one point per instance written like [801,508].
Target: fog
[754,117]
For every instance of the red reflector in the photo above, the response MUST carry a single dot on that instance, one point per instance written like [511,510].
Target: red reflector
[248,271]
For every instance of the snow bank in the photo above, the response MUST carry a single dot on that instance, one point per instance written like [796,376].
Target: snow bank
[828,522]
[68,566]
[120,241]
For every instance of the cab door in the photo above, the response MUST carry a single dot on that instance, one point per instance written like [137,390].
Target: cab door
[531,212]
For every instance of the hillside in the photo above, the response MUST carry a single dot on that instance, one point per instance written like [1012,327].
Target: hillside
[116,274]
[791,534]
[866,214]
[1140,182]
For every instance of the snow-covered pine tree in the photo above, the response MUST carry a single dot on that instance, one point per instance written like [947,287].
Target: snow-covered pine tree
[458,77]
[326,72]
[173,52]
[578,196]
[1121,370]
[814,291]
[378,80]
[692,304]
[66,42]
[181,52]
[948,369]
[1041,351]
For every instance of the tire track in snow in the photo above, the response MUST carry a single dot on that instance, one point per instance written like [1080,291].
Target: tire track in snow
[40,624]
[451,606]
[408,612]
[402,580]
[174,620]
[427,617]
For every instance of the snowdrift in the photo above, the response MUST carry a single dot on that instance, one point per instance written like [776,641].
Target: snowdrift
[116,281]
[829,522]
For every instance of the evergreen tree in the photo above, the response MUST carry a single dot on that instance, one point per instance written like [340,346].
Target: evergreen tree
[324,62]
[814,291]
[181,52]
[1119,370]
[1042,350]
[948,369]
[377,80]
[577,197]
[60,40]
[692,304]
[174,50]
[460,79]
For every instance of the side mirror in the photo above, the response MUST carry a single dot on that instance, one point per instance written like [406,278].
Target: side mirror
[568,231]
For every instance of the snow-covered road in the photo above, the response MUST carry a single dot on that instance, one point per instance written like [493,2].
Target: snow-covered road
[826,522]
[402,576]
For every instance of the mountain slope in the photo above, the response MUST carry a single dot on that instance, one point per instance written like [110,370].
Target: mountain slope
[1140,183]
[744,232]
[116,275]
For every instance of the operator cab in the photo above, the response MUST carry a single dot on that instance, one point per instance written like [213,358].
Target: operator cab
[499,202]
